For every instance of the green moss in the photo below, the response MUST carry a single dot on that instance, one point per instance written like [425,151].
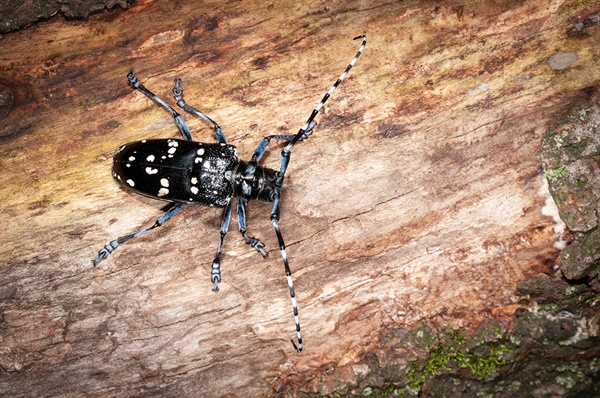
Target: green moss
[454,354]
[416,378]
[456,335]
[592,299]
[391,389]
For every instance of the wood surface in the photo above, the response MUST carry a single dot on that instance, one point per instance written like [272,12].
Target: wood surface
[418,198]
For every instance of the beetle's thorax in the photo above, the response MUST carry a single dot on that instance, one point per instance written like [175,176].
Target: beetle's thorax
[254,182]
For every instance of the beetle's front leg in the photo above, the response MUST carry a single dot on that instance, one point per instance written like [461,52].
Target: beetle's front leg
[260,150]
[255,243]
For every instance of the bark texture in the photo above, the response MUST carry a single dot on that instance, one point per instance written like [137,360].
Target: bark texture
[416,208]
[17,14]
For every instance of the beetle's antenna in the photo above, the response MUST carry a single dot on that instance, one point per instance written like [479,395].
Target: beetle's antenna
[315,111]
[285,158]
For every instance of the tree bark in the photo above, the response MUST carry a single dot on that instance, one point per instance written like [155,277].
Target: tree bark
[418,200]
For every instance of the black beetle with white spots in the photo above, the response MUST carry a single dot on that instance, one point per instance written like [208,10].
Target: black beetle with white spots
[185,171]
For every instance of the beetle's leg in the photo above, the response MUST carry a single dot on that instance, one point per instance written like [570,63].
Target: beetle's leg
[183,128]
[255,243]
[106,250]
[178,93]
[288,272]
[260,150]
[216,265]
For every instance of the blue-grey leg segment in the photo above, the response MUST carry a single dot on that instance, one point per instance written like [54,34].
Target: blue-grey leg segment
[106,250]
[178,93]
[183,128]
[255,243]
[216,265]
[260,150]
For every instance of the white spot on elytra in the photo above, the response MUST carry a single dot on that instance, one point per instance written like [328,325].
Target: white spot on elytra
[128,165]
[172,143]
[131,183]
[150,158]
[194,180]
[172,150]
[200,151]
[194,190]
[163,192]
[143,141]
[197,160]
[164,182]
[151,171]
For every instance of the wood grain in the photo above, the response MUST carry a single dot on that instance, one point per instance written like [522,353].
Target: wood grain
[419,197]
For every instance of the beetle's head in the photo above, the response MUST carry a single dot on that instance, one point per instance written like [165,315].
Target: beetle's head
[253,182]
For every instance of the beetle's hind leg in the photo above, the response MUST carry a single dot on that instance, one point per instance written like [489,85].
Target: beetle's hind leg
[255,243]
[178,94]
[183,128]
[106,250]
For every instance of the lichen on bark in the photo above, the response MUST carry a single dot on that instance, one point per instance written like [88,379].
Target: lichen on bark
[571,160]
[549,348]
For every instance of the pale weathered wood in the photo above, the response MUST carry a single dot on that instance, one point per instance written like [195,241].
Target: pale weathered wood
[418,198]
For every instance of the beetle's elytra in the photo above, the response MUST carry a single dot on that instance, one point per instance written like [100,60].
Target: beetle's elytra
[191,172]
[185,171]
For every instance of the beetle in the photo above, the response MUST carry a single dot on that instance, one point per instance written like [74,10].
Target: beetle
[190,172]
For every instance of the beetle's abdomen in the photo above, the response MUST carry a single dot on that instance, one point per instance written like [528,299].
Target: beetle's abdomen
[177,170]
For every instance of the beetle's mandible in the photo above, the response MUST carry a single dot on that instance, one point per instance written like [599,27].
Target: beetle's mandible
[189,172]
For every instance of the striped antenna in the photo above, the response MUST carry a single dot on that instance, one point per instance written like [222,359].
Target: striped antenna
[314,113]
[285,158]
